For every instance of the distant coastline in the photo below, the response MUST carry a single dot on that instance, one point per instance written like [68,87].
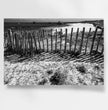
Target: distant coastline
[33,24]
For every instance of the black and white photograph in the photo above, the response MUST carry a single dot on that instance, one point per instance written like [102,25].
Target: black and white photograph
[53,55]
[53,51]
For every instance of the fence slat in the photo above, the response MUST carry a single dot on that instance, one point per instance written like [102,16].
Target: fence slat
[94,36]
[76,39]
[18,43]
[16,47]
[71,39]
[26,40]
[65,40]
[10,38]
[102,49]
[87,40]
[60,39]
[51,42]
[47,44]
[39,42]
[101,34]
[43,39]
[56,41]
[24,43]
[82,40]
[31,43]
[35,41]
[13,35]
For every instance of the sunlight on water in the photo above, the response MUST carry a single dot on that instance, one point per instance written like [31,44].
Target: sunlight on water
[74,26]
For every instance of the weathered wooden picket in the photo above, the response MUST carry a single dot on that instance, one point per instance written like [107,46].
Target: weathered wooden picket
[75,43]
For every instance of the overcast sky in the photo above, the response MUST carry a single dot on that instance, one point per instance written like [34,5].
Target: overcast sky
[46,20]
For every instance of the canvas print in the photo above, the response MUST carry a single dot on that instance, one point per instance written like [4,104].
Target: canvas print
[53,52]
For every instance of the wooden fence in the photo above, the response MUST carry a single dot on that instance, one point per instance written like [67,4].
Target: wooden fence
[79,42]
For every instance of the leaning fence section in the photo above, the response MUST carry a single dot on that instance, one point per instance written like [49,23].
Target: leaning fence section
[79,42]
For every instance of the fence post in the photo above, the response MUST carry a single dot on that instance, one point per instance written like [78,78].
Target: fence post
[87,40]
[71,39]
[56,41]
[65,40]
[99,40]
[51,41]
[94,36]
[76,39]
[82,40]
[60,39]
